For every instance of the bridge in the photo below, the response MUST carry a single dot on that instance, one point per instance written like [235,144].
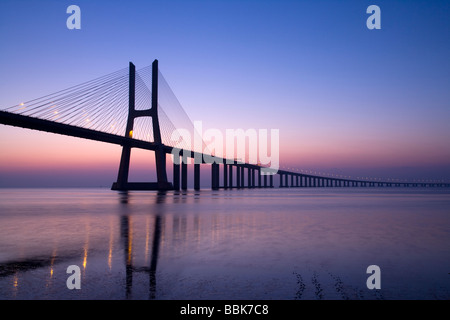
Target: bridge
[123,108]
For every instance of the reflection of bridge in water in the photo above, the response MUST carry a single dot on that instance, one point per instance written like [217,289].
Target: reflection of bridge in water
[138,257]
[123,101]
[159,246]
[126,234]
[135,244]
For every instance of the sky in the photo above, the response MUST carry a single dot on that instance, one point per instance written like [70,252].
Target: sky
[345,99]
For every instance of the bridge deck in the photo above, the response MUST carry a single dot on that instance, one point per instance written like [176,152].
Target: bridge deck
[28,122]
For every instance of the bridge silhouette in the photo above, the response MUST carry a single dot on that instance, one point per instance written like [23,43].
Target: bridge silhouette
[120,108]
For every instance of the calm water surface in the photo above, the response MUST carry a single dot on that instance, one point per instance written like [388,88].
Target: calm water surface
[251,244]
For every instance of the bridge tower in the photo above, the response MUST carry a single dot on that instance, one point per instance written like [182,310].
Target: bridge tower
[160,155]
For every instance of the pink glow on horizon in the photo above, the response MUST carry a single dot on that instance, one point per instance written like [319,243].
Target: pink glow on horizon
[27,152]
[37,150]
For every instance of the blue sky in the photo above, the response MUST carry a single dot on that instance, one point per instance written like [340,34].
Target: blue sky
[344,97]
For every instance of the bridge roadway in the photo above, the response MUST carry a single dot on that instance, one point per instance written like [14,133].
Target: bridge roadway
[257,176]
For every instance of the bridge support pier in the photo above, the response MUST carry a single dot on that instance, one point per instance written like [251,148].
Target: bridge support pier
[225,176]
[184,175]
[176,176]
[160,154]
[215,176]
[124,167]
[253,178]
[259,178]
[238,177]
[197,176]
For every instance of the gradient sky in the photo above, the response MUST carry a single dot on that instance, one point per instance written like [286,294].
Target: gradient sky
[346,99]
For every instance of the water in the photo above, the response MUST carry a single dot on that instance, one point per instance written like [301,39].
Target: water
[250,244]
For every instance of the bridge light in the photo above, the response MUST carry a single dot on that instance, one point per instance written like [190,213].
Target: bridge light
[130,134]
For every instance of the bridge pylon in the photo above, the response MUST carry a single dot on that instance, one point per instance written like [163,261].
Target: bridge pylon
[160,154]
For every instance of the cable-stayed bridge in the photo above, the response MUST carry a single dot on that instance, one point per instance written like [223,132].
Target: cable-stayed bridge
[137,109]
